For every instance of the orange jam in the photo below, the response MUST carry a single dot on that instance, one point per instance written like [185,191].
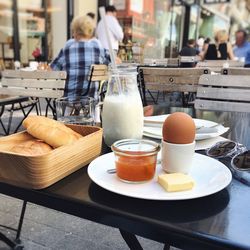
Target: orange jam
[135,160]
[135,168]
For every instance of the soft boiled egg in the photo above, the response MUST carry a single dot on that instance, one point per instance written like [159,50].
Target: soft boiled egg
[178,128]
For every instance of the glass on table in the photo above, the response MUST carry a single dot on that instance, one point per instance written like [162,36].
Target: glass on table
[78,111]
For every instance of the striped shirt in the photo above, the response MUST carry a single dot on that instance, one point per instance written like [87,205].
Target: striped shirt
[76,58]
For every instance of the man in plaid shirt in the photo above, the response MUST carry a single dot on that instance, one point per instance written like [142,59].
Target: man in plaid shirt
[77,56]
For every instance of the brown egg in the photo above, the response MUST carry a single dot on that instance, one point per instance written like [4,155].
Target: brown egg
[178,128]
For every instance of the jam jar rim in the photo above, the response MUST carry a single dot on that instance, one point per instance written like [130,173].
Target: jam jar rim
[116,150]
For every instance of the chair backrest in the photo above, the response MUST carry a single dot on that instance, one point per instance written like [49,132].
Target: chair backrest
[173,62]
[188,59]
[164,62]
[217,65]
[2,66]
[171,79]
[235,71]
[47,84]
[223,93]
[98,72]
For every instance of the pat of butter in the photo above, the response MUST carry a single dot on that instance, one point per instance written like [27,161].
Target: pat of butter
[176,182]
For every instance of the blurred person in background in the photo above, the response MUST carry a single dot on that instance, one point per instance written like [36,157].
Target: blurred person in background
[220,50]
[242,47]
[200,43]
[206,41]
[77,56]
[92,16]
[115,30]
[189,50]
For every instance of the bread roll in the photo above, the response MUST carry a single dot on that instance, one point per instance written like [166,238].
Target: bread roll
[50,131]
[32,148]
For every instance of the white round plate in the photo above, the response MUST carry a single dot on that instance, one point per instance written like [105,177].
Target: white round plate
[210,177]
[156,130]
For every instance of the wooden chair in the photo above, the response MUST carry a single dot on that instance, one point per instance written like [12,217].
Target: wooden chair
[33,84]
[99,73]
[223,93]
[168,80]
[173,62]
[164,62]
[235,71]
[188,61]
[2,66]
[218,65]
[155,62]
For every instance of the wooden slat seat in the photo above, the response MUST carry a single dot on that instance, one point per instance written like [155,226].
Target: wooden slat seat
[33,84]
[164,62]
[99,73]
[218,65]
[223,93]
[169,79]
[235,71]
[47,84]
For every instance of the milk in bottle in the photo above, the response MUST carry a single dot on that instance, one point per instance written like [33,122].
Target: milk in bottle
[122,116]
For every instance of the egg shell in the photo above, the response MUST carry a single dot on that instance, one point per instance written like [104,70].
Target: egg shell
[178,128]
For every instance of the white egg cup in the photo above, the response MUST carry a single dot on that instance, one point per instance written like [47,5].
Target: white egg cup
[177,158]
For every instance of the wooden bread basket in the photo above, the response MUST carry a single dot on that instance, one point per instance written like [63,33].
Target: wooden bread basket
[41,171]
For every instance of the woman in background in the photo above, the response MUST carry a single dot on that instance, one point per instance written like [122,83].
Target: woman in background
[220,50]
[77,56]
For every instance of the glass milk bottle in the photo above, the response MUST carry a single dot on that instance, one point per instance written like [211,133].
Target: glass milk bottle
[122,116]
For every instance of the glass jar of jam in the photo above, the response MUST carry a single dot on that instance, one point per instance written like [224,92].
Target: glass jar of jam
[135,160]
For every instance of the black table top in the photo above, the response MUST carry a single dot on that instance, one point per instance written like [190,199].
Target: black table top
[218,221]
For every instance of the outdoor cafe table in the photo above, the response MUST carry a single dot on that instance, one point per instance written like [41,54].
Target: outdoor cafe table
[218,221]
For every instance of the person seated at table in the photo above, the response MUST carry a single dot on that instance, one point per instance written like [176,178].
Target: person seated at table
[242,47]
[77,56]
[189,50]
[220,50]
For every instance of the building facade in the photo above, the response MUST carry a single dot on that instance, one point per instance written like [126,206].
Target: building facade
[38,29]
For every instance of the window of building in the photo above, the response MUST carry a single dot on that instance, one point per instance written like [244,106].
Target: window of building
[153,24]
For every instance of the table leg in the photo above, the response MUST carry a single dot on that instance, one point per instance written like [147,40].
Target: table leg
[51,106]
[6,240]
[131,240]
[20,224]
[16,244]
[1,122]
[166,247]
[25,115]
